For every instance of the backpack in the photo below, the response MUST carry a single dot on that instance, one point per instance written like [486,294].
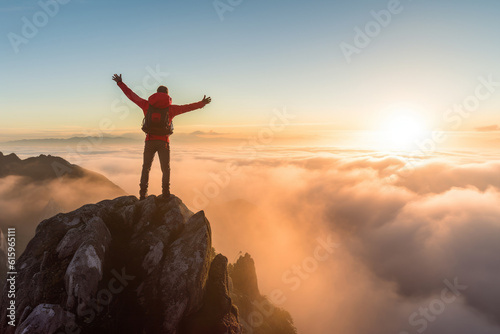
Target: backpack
[155,122]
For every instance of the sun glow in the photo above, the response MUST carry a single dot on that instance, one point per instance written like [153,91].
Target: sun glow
[401,130]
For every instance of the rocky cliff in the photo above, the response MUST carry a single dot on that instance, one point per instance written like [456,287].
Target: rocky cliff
[125,266]
[121,266]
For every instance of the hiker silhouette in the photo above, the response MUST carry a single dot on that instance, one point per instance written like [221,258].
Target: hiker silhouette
[158,114]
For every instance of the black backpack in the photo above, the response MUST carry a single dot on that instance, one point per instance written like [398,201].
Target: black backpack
[156,122]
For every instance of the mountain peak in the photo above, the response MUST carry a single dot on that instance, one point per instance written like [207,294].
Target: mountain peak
[48,167]
[130,266]
[9,158]
[244,276]
[121,266]
[38,168]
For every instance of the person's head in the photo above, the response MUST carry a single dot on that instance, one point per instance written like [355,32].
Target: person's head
[162,89]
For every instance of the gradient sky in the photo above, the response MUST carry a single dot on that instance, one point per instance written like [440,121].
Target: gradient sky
[286,54]
[263,55]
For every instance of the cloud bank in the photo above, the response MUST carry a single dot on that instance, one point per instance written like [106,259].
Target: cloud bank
[417,252]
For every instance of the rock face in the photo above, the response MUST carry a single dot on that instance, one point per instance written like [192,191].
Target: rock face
[123,266]
[256,313]
[216,315]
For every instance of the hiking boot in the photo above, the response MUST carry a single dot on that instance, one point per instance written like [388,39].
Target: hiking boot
[164,196]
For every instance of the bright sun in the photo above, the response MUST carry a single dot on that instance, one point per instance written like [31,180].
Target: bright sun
[402,130]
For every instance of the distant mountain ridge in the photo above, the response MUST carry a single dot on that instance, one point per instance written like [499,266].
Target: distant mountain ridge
[36,188]
[48,167]
[74,140]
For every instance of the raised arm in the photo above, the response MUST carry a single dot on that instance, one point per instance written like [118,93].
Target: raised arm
[129,93]
[177,110]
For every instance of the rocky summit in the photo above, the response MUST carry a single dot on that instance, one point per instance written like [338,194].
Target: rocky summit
[130,266]
[122,266]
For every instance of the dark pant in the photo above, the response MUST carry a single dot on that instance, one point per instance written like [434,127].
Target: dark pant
[163,149]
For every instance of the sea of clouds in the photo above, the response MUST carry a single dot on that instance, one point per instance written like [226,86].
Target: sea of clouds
[349,241]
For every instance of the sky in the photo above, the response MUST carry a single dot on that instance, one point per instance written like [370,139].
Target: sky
[251,58]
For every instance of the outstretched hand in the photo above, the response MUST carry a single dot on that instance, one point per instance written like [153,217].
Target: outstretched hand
[206,100]
[117,78]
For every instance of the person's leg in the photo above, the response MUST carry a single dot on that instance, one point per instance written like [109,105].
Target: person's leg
[164,155]
[149,154]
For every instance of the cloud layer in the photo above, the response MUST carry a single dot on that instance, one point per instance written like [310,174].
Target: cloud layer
[403,237]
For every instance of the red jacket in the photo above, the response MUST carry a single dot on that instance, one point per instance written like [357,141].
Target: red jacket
[159,100]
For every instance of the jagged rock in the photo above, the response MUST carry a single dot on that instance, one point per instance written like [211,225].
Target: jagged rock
[95,232]
[218,314]
[257,314]
[46,319]
[185,272]
[244,276]
[120,266]
[128,266]
[89,244]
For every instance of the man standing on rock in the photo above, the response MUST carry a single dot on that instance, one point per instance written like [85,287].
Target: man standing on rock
[158,114]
